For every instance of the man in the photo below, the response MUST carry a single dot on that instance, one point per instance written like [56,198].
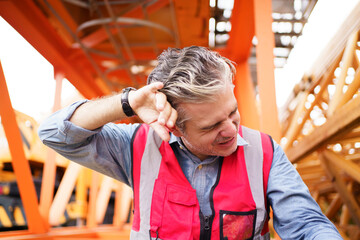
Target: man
[195,171]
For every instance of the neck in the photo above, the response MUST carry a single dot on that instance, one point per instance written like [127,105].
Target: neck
[188,146]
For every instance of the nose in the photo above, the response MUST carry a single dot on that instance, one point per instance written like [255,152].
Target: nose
[229,128]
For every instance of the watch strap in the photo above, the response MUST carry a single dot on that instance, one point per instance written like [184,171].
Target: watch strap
[125,102]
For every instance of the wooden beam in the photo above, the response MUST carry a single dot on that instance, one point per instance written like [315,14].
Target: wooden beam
[301,112]
[334,207]
[337,43]
[122,204]
[315,195]
[63,193]
[91,215]
[307,165]
[346,61]
[19,162]
[341,123]
[316,173]
[325,187]
[345,216]
[296,126]
[350,168]
[103,198]
[353,136]
[343,234]
[352,89]
[316,170]
[341,187]
[81,197]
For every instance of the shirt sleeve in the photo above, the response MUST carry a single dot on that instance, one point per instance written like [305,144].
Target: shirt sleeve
[296,214]
[106,150]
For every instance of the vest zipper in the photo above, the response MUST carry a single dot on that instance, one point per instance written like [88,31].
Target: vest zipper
[208,220]
[207,227]
[205,223]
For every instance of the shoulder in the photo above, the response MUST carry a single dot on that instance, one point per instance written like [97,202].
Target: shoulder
[252,135]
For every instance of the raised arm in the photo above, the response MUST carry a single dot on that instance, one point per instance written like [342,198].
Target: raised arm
[150,105]
[83,132]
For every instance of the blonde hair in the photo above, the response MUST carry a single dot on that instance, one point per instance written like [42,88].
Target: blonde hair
[191,75]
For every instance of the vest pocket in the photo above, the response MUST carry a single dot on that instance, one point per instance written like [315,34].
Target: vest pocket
[172,218]
[237,225]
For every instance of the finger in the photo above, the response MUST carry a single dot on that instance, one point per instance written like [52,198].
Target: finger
[161,131]
[155,86]
[165,114]
[161,101]
[172,119]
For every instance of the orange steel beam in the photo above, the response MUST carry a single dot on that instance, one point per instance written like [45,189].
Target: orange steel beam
[59,7]
[269,121]
[49,172]
[242,31]
[19,162]
[245,94]
[238,49]
[31,23]
[100,35]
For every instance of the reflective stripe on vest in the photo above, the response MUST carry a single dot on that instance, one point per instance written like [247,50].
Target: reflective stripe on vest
[257,141]
[150,171]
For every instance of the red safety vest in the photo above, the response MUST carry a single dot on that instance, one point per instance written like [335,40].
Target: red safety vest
[166,206]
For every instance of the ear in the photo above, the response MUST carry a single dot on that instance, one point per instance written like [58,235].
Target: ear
[176,131]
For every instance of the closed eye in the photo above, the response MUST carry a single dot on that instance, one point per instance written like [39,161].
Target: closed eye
[211,127]
[208,128]
[233,112]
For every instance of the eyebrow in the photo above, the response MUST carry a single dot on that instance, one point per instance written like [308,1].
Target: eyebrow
[218,123]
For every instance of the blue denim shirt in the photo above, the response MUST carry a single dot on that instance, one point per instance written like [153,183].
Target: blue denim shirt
[107,150]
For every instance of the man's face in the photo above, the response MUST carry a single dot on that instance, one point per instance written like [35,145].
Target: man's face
[213,126]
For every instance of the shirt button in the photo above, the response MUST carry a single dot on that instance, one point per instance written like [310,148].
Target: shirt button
[200,167]
[181,147]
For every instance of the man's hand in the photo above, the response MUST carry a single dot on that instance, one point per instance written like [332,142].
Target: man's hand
[153,108]
[147,102]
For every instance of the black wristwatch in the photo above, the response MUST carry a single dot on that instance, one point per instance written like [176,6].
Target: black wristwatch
[125,101]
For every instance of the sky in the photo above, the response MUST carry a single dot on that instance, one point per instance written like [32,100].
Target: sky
[30,77]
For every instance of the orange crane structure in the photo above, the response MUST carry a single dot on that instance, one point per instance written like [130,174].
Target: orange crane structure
[102,46]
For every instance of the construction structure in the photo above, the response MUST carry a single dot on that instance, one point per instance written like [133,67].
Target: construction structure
[102,46]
